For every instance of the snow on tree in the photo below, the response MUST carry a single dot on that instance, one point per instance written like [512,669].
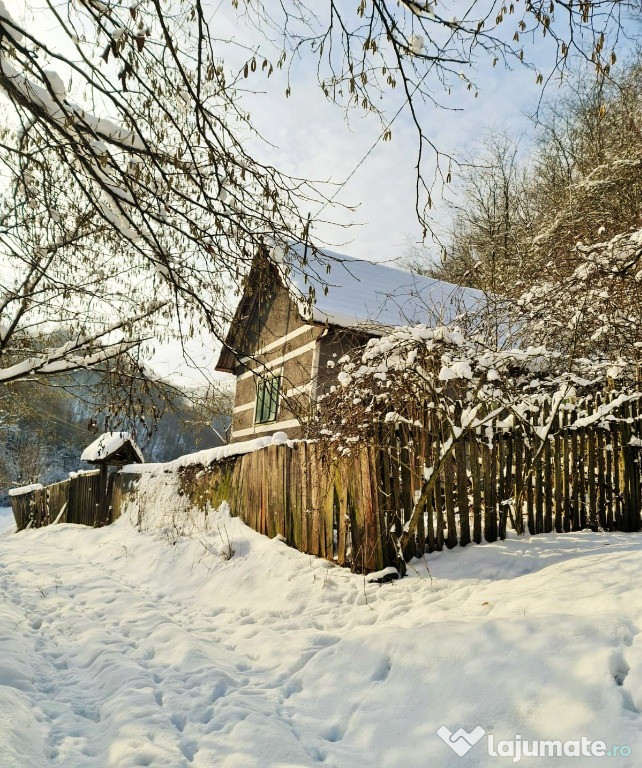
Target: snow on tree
[594,310]
[553,236]
[132,204]
[436,386]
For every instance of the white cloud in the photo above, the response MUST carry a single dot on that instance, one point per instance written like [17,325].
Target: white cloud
[313,139]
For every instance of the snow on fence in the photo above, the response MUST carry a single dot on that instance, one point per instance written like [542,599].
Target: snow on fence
[584,475]
[353,509]
[324,508]
[42,505]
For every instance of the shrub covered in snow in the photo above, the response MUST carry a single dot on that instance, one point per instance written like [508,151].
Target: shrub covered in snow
[427,388]
[593,309]
[413,371]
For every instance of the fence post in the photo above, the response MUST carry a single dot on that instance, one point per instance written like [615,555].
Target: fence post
[476,484]
[462,493]
[518,493]
[557,470]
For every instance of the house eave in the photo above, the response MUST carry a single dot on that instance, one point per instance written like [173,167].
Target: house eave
[226,362]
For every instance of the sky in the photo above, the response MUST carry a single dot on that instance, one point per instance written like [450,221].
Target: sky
[307,136]
[312,139]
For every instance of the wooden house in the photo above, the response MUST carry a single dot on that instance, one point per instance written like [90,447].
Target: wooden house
[300,313]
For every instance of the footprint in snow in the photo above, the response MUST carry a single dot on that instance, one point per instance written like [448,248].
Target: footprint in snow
[381,671]
[318,754]
[219,690]
[291,688]
[334,733]
[619,669]
[189,749]
[88,713]
[178,721]
[205,716]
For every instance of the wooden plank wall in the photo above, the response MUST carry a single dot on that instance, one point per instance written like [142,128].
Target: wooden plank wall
[581,477]
[84,501]
[30,509]
[326,508]
[343,509]
[41,507]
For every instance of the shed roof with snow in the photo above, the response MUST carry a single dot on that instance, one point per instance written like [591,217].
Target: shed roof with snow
[113,448]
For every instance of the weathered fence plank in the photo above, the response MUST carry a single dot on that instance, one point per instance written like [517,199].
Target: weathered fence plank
[353,508]
[462,494]
[557,480]
[80,494]
[518,485]
[476,486]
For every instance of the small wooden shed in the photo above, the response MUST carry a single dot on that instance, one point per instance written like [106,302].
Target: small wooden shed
[111,449]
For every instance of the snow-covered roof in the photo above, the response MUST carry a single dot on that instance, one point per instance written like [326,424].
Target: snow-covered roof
[25,489]
[375,296]
[108,444]
[209,455]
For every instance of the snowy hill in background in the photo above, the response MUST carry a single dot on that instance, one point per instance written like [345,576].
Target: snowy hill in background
[44,440]
[123,648]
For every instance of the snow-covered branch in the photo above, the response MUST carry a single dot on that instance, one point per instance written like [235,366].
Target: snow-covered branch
[427,389]
[81,351]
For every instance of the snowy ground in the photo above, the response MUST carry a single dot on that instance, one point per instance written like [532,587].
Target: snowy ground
[6,519]
[118,648]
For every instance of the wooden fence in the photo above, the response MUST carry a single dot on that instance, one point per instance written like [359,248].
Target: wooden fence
[582,476]
[354,509]
[80,494]
[322,507]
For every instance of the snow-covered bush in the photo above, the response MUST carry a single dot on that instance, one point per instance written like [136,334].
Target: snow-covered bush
[427,388]
[593,310]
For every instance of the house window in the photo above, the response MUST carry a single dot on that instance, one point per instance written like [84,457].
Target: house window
[267,399]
